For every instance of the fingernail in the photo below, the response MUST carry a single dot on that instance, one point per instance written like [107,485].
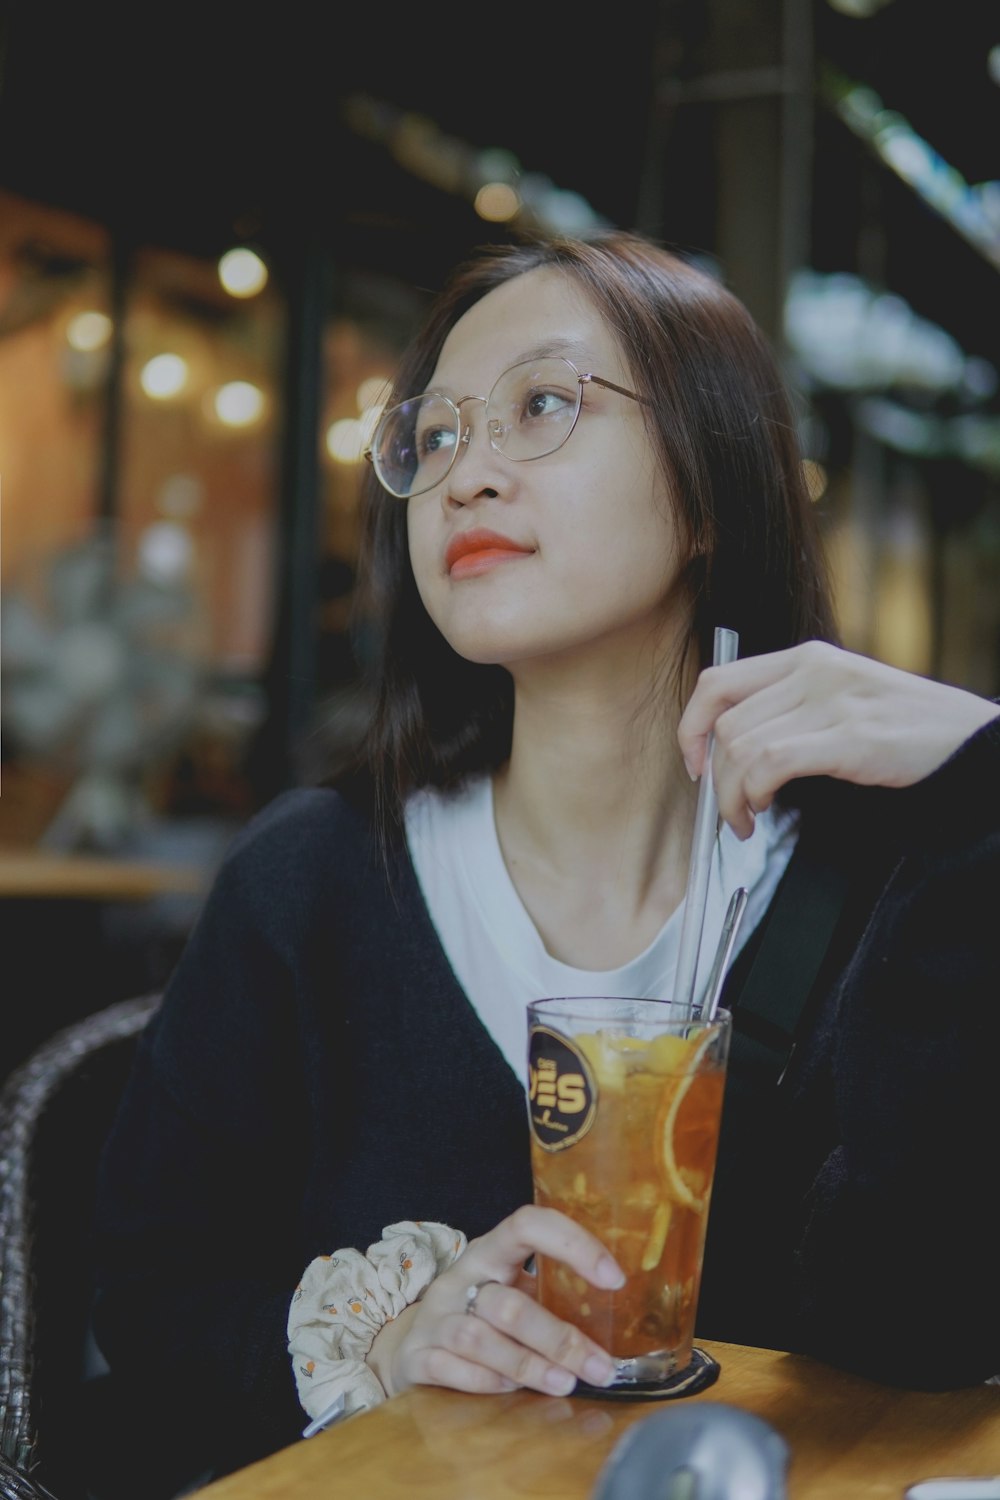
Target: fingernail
[610,1274]
[559,1382]
[693,774]
[598,1370]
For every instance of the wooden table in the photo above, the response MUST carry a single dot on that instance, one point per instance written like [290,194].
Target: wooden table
[848,1438]
[33,874]
[59,962]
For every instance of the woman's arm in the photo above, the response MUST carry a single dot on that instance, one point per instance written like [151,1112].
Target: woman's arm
[196,1230]
[895,1257]
[816,710]
[200,1215]
[896,1263]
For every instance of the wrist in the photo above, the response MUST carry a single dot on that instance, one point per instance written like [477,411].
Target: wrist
[381,1358]
[345,1301]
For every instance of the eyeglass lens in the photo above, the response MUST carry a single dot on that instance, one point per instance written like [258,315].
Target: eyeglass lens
[530,412]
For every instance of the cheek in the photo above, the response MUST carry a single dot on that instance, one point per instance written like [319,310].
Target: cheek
[632,532]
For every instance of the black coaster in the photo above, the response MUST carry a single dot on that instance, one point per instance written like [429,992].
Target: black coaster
[702,1372]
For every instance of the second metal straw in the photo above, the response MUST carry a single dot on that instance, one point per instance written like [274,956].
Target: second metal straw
[724,952]
[726,649]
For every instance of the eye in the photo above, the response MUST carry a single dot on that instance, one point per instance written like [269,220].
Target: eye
[433,440]
[547,403]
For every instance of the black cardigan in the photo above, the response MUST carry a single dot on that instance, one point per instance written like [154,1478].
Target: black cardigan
[316,1072]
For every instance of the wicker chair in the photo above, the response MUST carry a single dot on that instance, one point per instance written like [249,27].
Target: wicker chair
[56,1109]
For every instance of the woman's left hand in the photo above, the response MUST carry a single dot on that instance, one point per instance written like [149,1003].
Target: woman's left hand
[512,1341]
[817,710]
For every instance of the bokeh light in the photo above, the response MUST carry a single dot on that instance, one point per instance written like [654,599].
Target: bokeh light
[165,552]
[239,403]
[163,376]
[816,479]
[89,331]
[497,202]
[242,272]
[345,440]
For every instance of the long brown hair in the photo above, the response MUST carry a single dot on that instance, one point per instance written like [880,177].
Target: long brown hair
[723,426]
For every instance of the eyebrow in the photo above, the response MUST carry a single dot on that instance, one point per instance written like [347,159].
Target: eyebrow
[554,348]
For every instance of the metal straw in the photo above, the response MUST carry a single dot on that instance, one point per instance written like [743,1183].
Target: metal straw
[724,952]
[726,649]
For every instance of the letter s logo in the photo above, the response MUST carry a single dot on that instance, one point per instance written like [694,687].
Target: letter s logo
[572,1090]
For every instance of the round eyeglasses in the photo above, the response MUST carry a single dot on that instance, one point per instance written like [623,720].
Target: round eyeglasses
[530,412]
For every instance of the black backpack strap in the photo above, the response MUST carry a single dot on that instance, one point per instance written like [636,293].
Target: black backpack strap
[766,1011]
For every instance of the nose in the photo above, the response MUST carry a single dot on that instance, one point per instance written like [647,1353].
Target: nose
[479,470]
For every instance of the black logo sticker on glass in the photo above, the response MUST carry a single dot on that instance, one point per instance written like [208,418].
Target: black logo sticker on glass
[562,1091]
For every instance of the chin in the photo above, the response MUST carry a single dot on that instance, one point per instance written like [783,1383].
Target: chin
[486,650]
[497,637]
[512,650]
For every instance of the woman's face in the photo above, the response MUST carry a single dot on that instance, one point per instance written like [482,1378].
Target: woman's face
[591,549]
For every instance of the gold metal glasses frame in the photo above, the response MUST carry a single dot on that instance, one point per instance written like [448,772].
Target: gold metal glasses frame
[494,427]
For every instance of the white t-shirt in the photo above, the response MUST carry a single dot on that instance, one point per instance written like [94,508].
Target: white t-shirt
[493,945]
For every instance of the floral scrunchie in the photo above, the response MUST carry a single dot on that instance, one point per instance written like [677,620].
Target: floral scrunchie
[344,1300]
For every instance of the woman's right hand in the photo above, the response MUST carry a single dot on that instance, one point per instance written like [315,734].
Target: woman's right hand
[818,710]
[510,1341]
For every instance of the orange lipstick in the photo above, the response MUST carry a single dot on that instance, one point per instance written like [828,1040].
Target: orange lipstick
[479,550]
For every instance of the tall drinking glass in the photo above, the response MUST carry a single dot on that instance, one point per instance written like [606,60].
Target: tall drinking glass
[625,1102]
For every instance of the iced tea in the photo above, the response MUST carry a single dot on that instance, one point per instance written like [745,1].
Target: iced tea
[625,1106]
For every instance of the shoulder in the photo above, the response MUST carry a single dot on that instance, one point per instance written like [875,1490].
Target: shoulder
[297,850]
[304,820]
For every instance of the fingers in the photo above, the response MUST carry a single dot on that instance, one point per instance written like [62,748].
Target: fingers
[748,778]
[768,740]
[772,719]
[530,1230]
[508,1325]
[720,688]
[748,764]
[510,1342]
[441,1366]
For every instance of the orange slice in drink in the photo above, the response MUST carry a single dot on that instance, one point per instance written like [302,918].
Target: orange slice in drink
[687,1129]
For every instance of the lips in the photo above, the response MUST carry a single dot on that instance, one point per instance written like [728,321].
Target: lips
[475,551]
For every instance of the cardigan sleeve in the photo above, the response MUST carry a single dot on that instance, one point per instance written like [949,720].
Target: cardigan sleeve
[897,1260]
[195,1231]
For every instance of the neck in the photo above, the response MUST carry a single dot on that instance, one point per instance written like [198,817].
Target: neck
[595,793]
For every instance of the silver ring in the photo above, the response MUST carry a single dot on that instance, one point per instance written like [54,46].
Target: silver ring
[472,1294]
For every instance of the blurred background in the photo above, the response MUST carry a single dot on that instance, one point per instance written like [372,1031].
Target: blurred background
[218,229]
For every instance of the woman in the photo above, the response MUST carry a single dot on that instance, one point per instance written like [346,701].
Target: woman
[600,469]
